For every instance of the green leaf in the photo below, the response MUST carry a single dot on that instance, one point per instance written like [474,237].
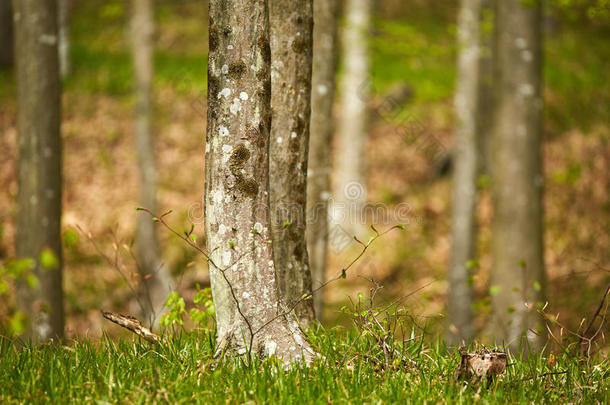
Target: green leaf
[17,323]
[3,287]
[16,268]
[400,226]
[48,260]
[537,286]
[472,264]
[32,281]
[494,289]
[232,244]
[343,273]
[521,263]
[70,238]
[287,224]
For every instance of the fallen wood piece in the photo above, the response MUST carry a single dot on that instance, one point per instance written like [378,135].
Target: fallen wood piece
[482,364]
[131,323]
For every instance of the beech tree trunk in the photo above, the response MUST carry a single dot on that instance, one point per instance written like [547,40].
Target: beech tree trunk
[291,24]
[6,33]
[350,191]
[39,165]
[63,16]
[156,281]
[319,167]
[249,313]
[517,244]
[465,157]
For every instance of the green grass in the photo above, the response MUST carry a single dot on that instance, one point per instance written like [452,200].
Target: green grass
[183,371]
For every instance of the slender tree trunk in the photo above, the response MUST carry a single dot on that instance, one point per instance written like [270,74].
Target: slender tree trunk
[157,282]
[39,167]
[486,83]
[6,33]
[63,16]
[517,244]
[465,156]
[237,219]
[291,24]
[350,191]
[318,172]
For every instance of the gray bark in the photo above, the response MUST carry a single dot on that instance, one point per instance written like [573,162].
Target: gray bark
[63,16]
[517,243]
[39,166]
[291,25]
[6,33]
[237,220]
[319,167]
[156,281]
[349,186]
[465,157]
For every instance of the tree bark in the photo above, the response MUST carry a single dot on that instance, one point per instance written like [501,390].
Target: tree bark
[517,243]
[63,16]
[6,33]
[319,167]
[156,281]
[465,157]
[350,191]
[291,25]
[39,166]
[486,82]
[249,314]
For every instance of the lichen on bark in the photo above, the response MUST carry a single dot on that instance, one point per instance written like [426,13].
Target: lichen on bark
[249,310]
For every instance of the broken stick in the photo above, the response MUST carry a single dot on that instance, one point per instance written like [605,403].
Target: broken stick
[131,323]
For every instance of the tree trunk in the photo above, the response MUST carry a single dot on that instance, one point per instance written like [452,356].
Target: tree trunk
[157,282]
[291,24]
[350,191]
[6,33]
[318,171]
[63,16]
[486,84]
[39,167]
[249,314]
[517,244]
[465,156]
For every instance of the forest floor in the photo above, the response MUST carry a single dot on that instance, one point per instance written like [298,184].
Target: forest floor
[413,48]
[352,370]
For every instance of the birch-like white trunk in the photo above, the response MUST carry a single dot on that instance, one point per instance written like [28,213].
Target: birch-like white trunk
[319,167]
[349,181]
[517,242]
[291,52]
[249,311]
[156,280]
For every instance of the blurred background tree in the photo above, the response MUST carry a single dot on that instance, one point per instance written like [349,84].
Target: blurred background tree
[6,33]
[38,222]
[322,126]
[156,282]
